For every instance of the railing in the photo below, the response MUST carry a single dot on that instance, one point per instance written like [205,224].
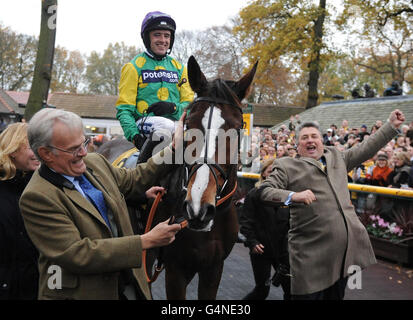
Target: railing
[248,175]
[362,188]
[390,204]
[400,193]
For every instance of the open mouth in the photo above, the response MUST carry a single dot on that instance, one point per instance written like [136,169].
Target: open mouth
[311,148]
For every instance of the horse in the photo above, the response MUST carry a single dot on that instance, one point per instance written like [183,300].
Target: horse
[201,188]
[112,149]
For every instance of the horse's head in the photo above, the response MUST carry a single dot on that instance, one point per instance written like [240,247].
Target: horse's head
[214,124]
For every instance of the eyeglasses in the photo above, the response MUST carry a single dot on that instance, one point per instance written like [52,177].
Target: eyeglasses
[76,151]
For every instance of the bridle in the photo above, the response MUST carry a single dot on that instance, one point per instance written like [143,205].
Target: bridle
[192,168]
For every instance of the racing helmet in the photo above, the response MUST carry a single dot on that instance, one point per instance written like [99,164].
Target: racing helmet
[157,20]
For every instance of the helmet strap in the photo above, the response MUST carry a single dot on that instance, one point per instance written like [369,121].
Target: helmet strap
[154,56]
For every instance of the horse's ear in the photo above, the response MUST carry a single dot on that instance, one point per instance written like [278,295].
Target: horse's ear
[196,78]
[243,87]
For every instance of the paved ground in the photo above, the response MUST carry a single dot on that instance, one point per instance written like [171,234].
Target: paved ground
[383,281]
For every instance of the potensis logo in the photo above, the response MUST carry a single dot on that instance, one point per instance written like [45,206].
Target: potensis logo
[159,76]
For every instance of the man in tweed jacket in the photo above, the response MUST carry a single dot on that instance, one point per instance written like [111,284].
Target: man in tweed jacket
[98,258]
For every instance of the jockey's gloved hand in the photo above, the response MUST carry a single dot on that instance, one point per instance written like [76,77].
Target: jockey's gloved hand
[138,141]
[162,107]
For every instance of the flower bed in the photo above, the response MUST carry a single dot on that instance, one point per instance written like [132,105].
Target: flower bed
[388,240]
[379,228]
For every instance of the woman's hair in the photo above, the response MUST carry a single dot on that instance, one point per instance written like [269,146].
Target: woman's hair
[264,167]
[11,140]
[40,132]
[404,156]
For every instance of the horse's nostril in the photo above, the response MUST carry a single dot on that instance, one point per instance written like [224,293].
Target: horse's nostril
[208,212]
[188,209]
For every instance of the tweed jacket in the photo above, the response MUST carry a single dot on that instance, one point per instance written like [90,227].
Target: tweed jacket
[70,233]
[325,237]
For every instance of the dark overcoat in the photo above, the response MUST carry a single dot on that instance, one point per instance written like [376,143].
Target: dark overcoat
[18,256]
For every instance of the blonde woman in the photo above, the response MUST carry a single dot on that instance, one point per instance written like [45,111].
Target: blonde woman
[18,256]
[265,229]
[399,177]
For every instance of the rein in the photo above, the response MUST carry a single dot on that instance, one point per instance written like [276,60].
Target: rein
[159,267]
[229,195]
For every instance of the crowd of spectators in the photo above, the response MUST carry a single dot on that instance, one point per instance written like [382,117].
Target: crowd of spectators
[390,167]
[266,144]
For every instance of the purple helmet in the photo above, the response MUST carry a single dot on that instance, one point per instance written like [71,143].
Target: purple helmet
[157,20]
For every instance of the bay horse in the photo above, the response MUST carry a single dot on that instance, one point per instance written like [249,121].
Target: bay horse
[200,190]
[210,182]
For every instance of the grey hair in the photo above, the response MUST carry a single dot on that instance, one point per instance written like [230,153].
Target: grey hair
[309,124]
[40,131]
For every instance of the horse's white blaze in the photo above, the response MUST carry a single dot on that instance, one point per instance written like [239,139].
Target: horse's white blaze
[198,188]
[202,175]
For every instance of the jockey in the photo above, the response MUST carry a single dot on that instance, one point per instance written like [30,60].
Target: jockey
[154,87]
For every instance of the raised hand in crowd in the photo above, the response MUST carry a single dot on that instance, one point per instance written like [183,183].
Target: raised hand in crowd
[396,118]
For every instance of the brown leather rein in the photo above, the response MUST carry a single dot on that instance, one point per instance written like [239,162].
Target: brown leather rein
[184,224]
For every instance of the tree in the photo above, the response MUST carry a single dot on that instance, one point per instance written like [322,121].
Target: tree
[280,86]
[17,57]
[186,44]
[103,71]
[384,29]
[44,60]
[288,33]
[381,12]
[341,75]
[217,50]
[68,69]
[76,66]
[314,64]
